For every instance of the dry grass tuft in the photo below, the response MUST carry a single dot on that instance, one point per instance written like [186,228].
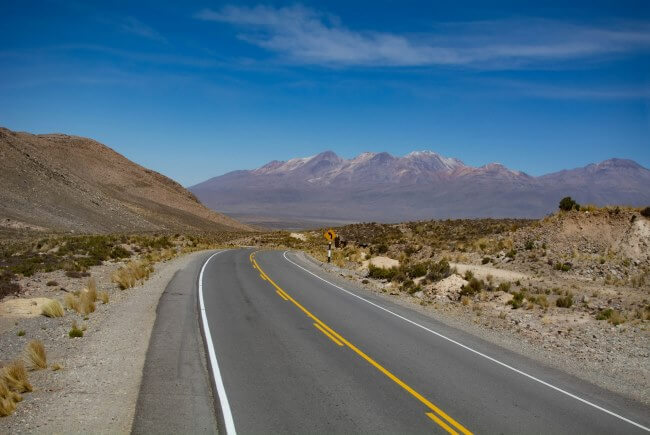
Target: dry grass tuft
[103,296]
[86,302]
[91,289]
[133,272]
[35,355]
[83,304]
[71,302]
[7,407]
[15,376]
[52,308]
[56,366]
[8,399]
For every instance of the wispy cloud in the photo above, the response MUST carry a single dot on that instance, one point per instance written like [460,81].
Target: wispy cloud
[576,92]
[137,27]
[304,35]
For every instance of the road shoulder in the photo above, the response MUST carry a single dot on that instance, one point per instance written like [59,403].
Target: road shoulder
[175,394]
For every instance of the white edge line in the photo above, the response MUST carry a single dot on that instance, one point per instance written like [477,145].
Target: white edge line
[221,391]
[474,351]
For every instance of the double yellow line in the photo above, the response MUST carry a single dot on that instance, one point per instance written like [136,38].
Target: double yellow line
[438,415]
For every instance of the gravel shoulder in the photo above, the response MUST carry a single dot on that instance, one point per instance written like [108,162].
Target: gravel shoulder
[97,389]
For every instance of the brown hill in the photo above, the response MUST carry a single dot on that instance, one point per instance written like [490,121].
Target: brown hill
[60,182]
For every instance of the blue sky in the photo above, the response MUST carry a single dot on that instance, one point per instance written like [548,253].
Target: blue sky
[196,89]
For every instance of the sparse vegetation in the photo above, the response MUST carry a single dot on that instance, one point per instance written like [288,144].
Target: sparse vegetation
[604,314]
[438,271]
[52,283]
[128,276]
[8,285]
[20,333]
[381,273]
[8,399]
[565,301]
[103,296]
[35,355]
[504,287]
[75,332]
[15,377]
[645,212]
[517,300]
[563,267]
[612,316]
[473,287]
[52,308]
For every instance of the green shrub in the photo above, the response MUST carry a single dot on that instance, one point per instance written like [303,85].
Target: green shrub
[381,273]
[564,301]
[511,253]
[417,270]
[540,300]
[504,287]
[646,212]
[564,267]
[517,300]
[438,271]
[567,204]
[472,287]
[604,314]
[486,260]
[469,275]
[408,286]
[7,283]
[75,332]
[529,245]
[381,249]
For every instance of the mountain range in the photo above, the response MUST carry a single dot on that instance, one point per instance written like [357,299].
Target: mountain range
[57,182]
[420,185]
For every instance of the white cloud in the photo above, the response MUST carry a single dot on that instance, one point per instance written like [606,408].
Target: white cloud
[307,36]
[137,27]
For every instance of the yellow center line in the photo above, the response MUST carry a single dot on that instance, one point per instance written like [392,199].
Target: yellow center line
[330,336]
[442,424]
[374,363]
[281,295]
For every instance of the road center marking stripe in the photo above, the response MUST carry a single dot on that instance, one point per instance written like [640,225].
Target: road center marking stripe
[494,360]
[280,293]
[374,363]
[330,336]
[442,424]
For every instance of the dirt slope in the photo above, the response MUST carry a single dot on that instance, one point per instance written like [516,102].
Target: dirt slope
[70,183]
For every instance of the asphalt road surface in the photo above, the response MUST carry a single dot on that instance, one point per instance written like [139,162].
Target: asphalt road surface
[293,350]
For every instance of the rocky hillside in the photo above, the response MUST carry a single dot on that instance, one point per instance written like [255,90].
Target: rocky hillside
[420,185]
[68,183]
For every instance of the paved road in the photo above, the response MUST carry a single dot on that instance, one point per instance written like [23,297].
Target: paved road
[296,354]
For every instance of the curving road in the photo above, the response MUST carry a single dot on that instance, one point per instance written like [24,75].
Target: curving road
[292,350]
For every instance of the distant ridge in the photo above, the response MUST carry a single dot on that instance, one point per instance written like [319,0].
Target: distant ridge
[69,183]
[419,185]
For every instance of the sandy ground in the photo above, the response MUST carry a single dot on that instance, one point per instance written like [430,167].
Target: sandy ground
[383,262]
[97,389]
[298,236]
[482,272]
